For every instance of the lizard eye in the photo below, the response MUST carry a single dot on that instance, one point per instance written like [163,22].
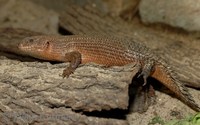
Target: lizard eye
[30,40]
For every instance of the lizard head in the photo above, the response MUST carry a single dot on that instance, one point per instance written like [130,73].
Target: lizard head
[36,46]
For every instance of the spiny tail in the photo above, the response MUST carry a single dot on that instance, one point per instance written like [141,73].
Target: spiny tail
[165,75]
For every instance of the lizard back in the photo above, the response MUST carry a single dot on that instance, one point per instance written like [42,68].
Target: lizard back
[101,50]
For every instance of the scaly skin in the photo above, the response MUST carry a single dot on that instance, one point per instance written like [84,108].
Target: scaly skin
[107,51]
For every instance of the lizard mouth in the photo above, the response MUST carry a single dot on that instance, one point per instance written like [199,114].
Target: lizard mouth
[26,43]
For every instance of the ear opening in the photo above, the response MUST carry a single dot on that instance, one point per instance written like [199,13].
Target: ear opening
[47,44]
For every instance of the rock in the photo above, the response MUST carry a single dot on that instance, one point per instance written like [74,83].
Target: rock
[40,19]
[183,14]
[117,7]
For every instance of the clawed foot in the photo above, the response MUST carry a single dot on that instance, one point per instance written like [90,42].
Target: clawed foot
[145,76]
[67,72]
[146,71]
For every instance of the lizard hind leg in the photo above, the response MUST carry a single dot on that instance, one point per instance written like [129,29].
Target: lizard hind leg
[74,58]
[147,69]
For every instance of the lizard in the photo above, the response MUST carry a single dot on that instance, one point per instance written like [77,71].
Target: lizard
[107,51]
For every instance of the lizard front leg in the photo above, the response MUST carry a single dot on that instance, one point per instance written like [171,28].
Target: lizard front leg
[74,58]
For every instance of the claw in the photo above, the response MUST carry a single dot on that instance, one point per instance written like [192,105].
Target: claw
[67,72]
[144,77]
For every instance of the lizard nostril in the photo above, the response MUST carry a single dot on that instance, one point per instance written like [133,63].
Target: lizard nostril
[21,46]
